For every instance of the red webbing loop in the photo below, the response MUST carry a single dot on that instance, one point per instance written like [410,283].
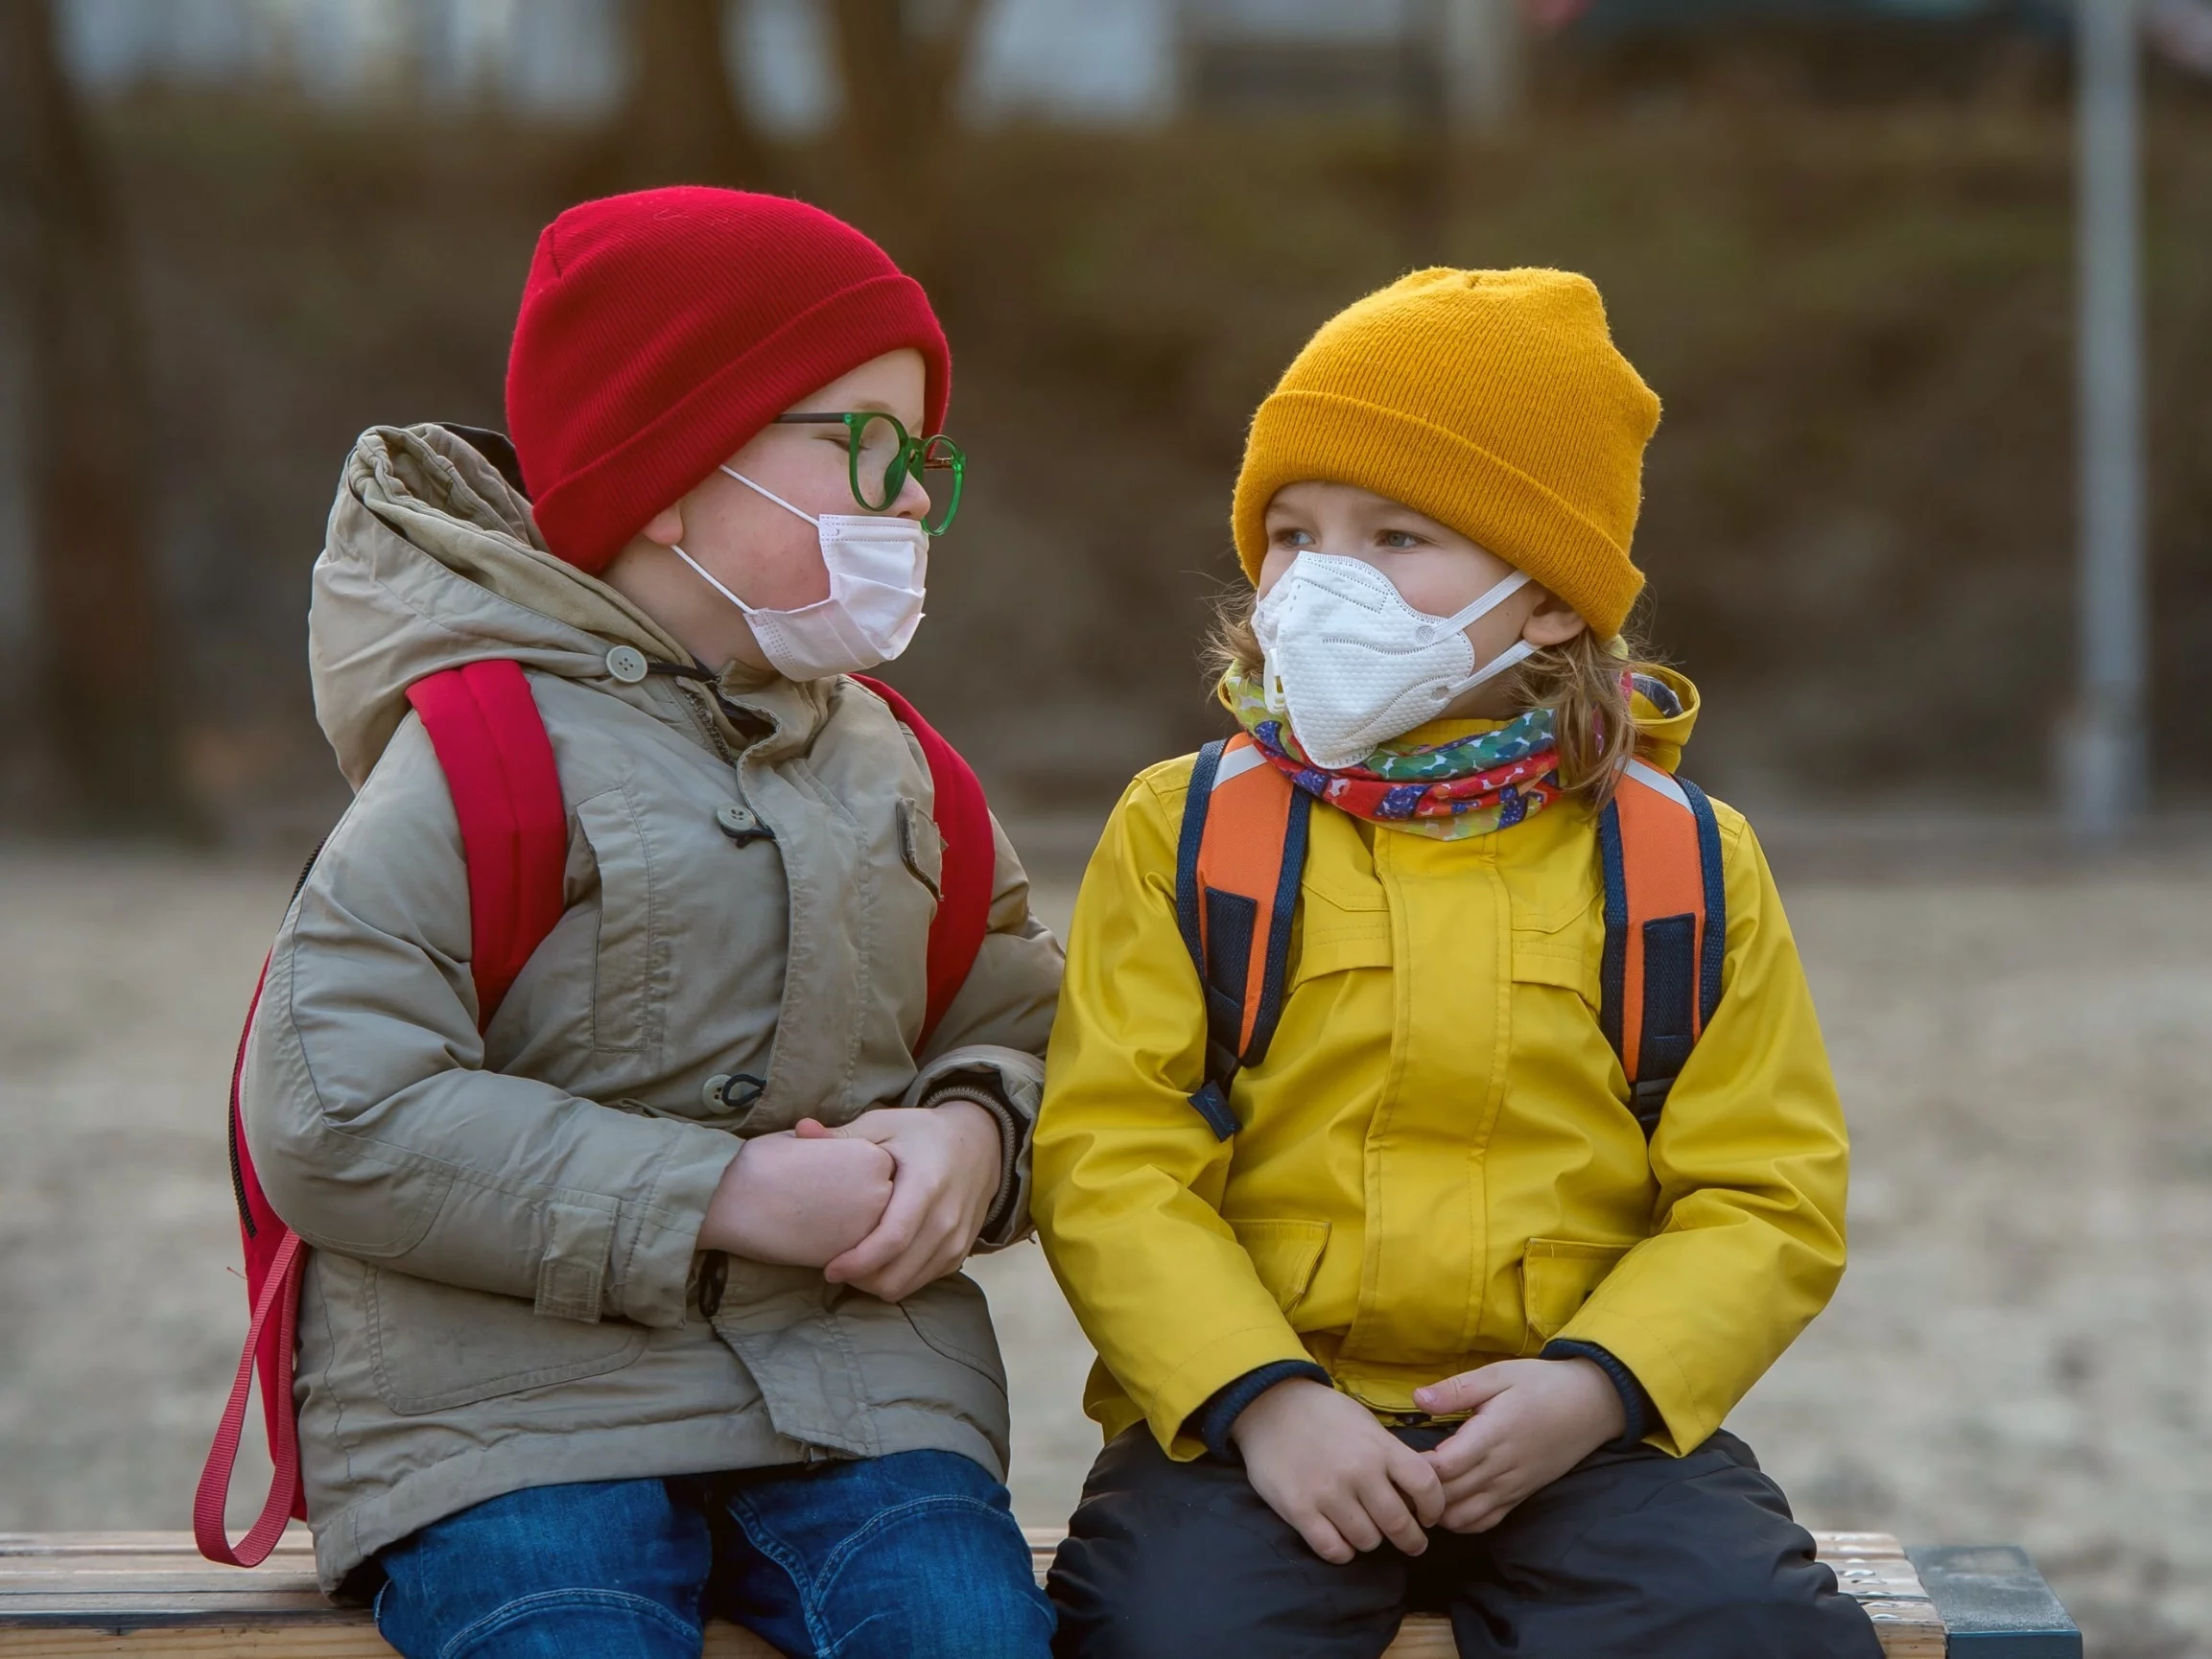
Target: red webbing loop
[279,1296]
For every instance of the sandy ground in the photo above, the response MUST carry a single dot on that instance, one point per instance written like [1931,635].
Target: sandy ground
[2020,1350]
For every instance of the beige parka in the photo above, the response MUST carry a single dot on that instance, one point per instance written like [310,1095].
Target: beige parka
[503,1291]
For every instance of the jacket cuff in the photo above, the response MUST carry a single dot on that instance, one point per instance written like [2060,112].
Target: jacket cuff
[1211,1421]
[655,1255]
[982,1089]
[1635,1403]
[1009,1085]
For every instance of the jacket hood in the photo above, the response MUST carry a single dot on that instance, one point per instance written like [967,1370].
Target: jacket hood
[432,561]
[1666,708]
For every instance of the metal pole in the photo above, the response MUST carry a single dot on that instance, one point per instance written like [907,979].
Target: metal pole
[1485,69]
[2103,760]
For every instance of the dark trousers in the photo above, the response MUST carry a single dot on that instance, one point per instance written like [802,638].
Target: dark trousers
[1633,1553]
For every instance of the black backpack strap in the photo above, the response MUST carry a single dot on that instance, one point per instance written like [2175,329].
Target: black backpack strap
[1212,1096]
[1238,861]
[1665,930]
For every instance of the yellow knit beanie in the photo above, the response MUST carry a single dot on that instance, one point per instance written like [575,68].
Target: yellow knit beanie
[1493,401]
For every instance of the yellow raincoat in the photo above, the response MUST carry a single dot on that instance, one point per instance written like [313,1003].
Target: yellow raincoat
[1438,1167]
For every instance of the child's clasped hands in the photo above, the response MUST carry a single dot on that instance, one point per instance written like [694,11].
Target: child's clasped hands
[1346,1482]
[887,1204]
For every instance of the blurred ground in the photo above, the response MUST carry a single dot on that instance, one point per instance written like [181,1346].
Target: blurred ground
[2019,1352]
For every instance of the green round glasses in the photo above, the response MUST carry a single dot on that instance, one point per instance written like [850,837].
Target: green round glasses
[882,456]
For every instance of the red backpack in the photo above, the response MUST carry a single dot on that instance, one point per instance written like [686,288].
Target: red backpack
[491,744]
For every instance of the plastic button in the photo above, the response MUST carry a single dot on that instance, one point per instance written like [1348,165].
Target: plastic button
[738,823]
[626,663]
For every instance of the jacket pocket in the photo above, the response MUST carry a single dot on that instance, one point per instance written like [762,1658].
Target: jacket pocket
[1339,950]
[953,1318]
[626,1006]
[1285,1254]
[1562,952]
[1557,1276]
[435,1347]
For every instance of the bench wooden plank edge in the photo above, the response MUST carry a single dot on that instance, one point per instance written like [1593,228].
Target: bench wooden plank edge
[1994,1603]
[148,1594]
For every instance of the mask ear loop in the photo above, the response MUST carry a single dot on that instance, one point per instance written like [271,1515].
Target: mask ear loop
[1514,655]
[1482,606]
[707,577]
[762,489]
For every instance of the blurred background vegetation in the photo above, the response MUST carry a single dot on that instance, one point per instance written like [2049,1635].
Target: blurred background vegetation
[1835,237]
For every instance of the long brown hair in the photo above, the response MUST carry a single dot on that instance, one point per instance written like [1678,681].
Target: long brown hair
[1585,683]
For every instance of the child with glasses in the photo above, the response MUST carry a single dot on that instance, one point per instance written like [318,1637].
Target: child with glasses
[1437,1139]
[642,1304]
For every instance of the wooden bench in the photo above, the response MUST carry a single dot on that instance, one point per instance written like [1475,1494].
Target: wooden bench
[150,1596]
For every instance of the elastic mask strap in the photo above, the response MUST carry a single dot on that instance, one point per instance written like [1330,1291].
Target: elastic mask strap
[781,502]
[1489,603]
[707,577]
[1513,656]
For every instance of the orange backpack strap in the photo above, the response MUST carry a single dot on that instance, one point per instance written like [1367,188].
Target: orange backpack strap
[1237,870]
[1665,929]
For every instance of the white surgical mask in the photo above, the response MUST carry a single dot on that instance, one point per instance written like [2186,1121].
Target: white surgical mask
[879,566]
[1354,666]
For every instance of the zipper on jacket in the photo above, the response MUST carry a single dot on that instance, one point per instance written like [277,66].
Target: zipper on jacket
[238,1175]
[693,706]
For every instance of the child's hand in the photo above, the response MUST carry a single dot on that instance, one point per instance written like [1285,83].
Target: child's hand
[949,1158]
[1534,1420]
[1331,1470]
[800,1201]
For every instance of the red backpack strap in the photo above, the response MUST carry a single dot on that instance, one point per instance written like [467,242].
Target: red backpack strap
[1665,929]
[499,765]
[270,1348]
[963,819]
[491,744]
[1237,865]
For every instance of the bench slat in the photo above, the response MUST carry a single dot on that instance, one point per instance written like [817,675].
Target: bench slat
[294,1545]
[148,1595]
[356,1641]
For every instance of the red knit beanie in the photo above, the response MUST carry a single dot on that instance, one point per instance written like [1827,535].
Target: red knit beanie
[661,331]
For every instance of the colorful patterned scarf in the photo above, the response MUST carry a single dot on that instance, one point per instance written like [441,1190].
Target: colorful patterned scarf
[1450,791]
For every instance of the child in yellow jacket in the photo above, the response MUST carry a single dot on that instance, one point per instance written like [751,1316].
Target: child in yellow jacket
[1425,1304]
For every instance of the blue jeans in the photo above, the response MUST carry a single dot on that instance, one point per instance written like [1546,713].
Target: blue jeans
[915,1555]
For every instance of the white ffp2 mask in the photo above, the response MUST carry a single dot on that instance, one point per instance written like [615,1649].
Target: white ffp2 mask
[878,568]
[1354,666]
